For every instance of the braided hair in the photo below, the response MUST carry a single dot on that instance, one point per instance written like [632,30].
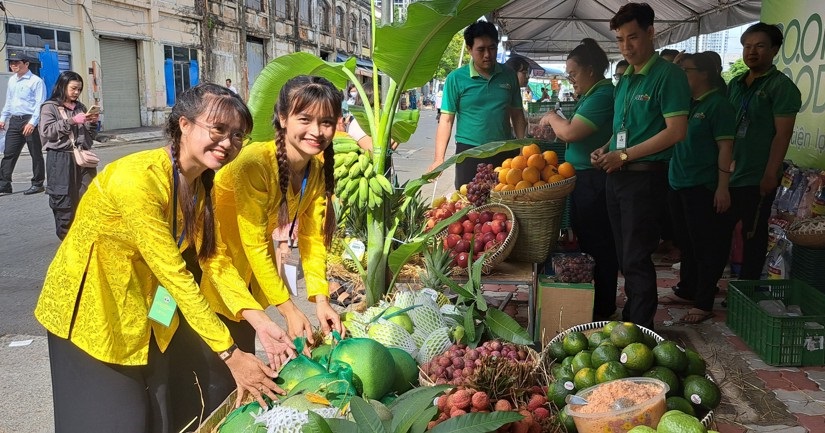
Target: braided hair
[297,95]
[220,106]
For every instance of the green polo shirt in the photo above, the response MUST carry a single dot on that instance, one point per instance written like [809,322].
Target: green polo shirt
[771,95]
[595,108]
[482,106]
[644,100]
[696,159]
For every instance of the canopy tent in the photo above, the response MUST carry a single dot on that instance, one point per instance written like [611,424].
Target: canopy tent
[548,30]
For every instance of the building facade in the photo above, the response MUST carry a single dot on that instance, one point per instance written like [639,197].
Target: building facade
[137,55]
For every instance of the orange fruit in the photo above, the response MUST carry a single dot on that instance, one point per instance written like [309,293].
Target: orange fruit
[555,178]
[523,184]
[519,162]
[550,157]
[497,169]
[566,169]
[548,171]
[513,176]
[499,186]
[536,161]
[530,150]
[502,175]
[531,174]
[507,188]
[539,183]
[506,163]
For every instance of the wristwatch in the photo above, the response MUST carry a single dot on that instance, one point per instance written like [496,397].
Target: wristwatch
[226,354]
[623,156]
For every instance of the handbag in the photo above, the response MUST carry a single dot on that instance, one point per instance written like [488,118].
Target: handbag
[82,157]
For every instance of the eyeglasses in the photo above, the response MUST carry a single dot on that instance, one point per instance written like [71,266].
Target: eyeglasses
[617,76]
[217,134]
[571,77]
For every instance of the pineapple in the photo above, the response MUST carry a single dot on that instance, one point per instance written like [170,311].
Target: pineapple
[437,261]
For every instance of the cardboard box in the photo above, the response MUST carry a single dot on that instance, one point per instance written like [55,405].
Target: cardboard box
[560,306]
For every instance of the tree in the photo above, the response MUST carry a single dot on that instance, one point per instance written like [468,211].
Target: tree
[735,69]
[449,61]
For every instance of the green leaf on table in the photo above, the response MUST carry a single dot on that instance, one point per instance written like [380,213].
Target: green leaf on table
[477,422]
[420,425]
[505,327]
[409,51]
[452,285]
[338,425]
[470,323]
[402,254]
[365,416]
[411,405]
[316,424]
[267,86]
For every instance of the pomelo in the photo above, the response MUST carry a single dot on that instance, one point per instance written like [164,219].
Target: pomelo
[370,362]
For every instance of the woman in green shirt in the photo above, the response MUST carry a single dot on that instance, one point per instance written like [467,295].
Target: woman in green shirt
[590,128]
[699,173]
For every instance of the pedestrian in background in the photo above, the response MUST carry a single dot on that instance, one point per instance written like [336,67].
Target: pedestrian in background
[20,117]
[125,251]
[699,199]
[767,102]
[522,69]
[588,129]
[652,101]
[230,86]
[64,124]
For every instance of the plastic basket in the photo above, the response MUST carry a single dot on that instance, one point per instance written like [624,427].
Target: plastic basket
[538,223]
[591,327]
[806,265]
[779,340]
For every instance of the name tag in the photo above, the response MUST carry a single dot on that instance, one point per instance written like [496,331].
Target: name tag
[163,307]
[743,128]
[621,139]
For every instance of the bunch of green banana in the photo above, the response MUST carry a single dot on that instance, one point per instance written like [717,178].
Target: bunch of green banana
[357,183]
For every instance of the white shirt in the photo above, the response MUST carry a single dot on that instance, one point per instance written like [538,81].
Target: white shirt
[355,131]
[24,96]
[233,89]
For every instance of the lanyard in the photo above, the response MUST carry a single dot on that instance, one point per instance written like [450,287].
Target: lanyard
[298,207]
[746,102]
[628,97]
[175,205]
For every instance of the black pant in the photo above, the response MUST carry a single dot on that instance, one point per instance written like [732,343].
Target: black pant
[634,202]
[588,216]
[753,210]
[93,396]
[67,184]
[465,171]
[704,236]
[14,145]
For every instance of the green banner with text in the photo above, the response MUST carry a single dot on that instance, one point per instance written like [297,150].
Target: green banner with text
[802,58]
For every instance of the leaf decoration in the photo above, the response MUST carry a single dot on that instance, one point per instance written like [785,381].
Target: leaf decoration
[505,327]
[477,422]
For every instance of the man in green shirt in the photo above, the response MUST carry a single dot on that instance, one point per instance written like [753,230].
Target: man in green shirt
[485,97]
[766,101]
[652,101]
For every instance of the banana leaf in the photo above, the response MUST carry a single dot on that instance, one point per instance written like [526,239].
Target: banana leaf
[404,123]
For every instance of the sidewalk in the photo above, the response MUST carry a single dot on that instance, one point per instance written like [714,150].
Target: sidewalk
[116,137]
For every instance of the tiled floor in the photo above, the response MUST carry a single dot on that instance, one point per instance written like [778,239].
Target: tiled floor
[756,397]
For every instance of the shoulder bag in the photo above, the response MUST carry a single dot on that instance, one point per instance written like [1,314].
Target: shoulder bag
[82,157]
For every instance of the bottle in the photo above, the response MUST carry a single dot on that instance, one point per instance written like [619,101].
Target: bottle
[818,205]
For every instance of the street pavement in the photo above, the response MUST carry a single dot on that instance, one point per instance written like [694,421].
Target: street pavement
[28,243]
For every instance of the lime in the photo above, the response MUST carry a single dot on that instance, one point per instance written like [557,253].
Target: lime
[556,349]
[608,329]
[585,378]
[567,421]
[611,370]
[667,376]
[574,343]
[680,423]
[596,338]
[642,429]
[562,373]
[559,390]
[701,391]
[625,333]
[669,354]
[604,353]
[567,363]
[581,360]
[649,340]
[680,404]
[696,365]
[637,356]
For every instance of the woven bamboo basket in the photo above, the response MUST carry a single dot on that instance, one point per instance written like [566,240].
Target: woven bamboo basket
[503,250]
[589,328]
[547,191]
[539,223]
[808,233]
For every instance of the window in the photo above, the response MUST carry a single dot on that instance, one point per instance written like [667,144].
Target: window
[182,60]
[304,12]
[325,17]
[33,40]
[365,33]
[282,8]
[339,21]
[353,29]
[255,5]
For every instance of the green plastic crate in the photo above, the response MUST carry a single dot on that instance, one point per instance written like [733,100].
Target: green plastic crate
[779,340]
